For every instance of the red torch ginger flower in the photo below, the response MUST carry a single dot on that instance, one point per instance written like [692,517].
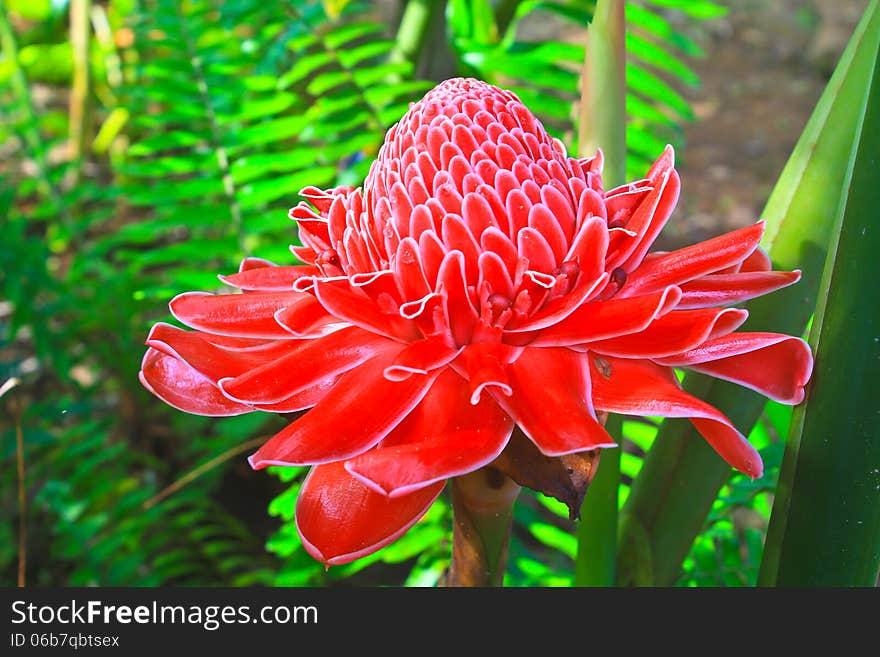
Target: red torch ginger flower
[481,279]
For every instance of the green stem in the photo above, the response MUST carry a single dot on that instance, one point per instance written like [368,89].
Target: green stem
[597,531]
[412,31]
[80,87]
[482,506]
[602,121]
[603,125]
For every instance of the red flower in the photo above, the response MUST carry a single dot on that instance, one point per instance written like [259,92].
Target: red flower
[480,279]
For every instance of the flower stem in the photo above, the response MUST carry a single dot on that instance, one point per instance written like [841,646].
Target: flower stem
[602,124]
[482,505]
[597,530]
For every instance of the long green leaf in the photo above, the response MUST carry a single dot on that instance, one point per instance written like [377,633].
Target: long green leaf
[682,475]
[825,525]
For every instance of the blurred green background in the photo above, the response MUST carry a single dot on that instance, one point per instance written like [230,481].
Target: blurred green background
[146,146]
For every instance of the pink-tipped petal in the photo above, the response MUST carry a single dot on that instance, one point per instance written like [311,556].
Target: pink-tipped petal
[350,304]
[551,401]
[691,262]
[340,519]
[213,360]
[721,289]
[420,357]
[484,365]
[356,414]
[268,279]
[673,333]
[444,437]
[601,320]
[246,315]
[309,363]
[308,319]
[180,386]
[638,387]
[778,366]
[588,251]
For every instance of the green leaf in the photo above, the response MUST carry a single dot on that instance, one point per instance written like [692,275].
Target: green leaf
[829,488]
[681,475]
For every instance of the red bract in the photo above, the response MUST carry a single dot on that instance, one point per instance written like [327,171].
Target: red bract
[481,279]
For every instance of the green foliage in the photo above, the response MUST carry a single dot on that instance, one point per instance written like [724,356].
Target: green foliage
[546,73]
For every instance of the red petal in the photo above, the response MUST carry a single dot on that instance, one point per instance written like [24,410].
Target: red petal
[693,261]
[588,250]
[675,332]
[445,436]
[459,309]
[352,305]
[180,386]
[652,213]
[758,260]
[601,320]
[340,519]
[777,366]
[551,401]
[309,363]
[301,400]
[268,279]
[245,315]
[356,414]
[640,387]
[484,365]
[721,289]
[212,360]
[420,357]
[308,319]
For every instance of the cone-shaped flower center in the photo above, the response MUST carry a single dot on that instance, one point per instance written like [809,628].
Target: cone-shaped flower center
[472,219]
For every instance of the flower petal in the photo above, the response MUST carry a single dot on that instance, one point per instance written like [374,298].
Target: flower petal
[551,401]
[245,315]
[420,357]
[588,250]
[268,279]
[721,289]
[352,305]
[675,332]
[310,362]
[778,366]
[639,387]
[652,213]
[677,267]
[445,436]
[356,414]
[308,319]
[601,320]
[213,360]
[340,519]
[180,386]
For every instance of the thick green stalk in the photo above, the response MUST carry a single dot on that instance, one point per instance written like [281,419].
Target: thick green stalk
[413,30]
[597,530]
[603,125]
[825,525]
[482,507]
[602,120]
[681,475]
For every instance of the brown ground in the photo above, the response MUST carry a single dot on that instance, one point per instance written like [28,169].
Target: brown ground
[766,65]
